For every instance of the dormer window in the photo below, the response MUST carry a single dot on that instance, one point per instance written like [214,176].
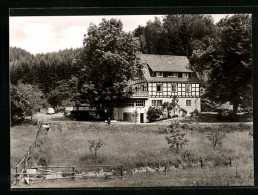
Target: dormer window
[159,74]
[172,74]
[186,75]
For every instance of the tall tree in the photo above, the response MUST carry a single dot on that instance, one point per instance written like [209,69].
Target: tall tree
[188,32]
[64,91]
[110,59]
[25,101]
[156,37]
[231,62]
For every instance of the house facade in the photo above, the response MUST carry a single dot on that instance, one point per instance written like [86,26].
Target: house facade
[165,76]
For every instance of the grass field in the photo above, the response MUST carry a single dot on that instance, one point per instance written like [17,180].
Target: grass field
[137,146]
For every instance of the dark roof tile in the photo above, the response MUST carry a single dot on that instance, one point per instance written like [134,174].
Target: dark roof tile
[166,63]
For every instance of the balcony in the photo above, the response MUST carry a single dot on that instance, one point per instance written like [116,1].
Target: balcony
[137,94]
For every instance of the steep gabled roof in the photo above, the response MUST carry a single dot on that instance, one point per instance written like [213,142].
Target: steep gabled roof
[166,63]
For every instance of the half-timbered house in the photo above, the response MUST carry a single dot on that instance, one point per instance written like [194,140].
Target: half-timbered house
[165,76]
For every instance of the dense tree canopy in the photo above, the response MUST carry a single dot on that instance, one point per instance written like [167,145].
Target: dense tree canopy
[176,34]
[229,61]
[110,60]
[64,93]
[25,100]
[44,70]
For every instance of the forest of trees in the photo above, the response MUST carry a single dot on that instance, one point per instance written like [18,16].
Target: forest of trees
[214,50]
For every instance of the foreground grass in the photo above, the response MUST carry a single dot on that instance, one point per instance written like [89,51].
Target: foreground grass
[22,138]
[135,146]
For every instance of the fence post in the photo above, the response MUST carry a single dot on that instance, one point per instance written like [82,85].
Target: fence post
[37,134]
[201,162]
[25,161]
[16,175]
[73,175]
[30,150]
[121,169]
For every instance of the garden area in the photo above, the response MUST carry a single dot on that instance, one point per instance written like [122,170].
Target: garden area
[210,112]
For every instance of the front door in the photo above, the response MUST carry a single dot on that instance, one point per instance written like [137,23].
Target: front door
[141,117]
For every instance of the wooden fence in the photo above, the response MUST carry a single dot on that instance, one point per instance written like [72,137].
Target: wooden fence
[72,173]
[21,167]
[24,161]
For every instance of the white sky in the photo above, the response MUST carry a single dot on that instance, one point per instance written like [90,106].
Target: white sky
[48,33]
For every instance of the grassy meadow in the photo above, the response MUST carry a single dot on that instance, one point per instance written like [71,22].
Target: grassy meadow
[138,146]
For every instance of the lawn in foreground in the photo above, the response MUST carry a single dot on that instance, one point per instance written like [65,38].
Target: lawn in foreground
[135,146]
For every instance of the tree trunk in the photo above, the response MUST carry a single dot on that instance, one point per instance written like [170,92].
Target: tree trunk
[95,156]
[111,107]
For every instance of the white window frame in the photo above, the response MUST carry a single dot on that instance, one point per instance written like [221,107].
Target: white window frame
[129,103]
[186,75]
[190,88]
[172,74]
[160,102]
[188,103]
[159,74]
[139,103]
[155,102]
[173,84]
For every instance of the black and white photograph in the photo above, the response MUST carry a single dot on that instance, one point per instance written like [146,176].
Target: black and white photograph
[102,101]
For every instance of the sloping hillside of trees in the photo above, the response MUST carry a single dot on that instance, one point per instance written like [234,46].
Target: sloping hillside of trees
[39,76]
[44,70]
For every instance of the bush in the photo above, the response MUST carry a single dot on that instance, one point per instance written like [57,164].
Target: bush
[172,127]
[247,109]
[176,139]
[226,115]
[195,113]
[216,138]
[184,112]
[207,105]
[95,145]
[153,113]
